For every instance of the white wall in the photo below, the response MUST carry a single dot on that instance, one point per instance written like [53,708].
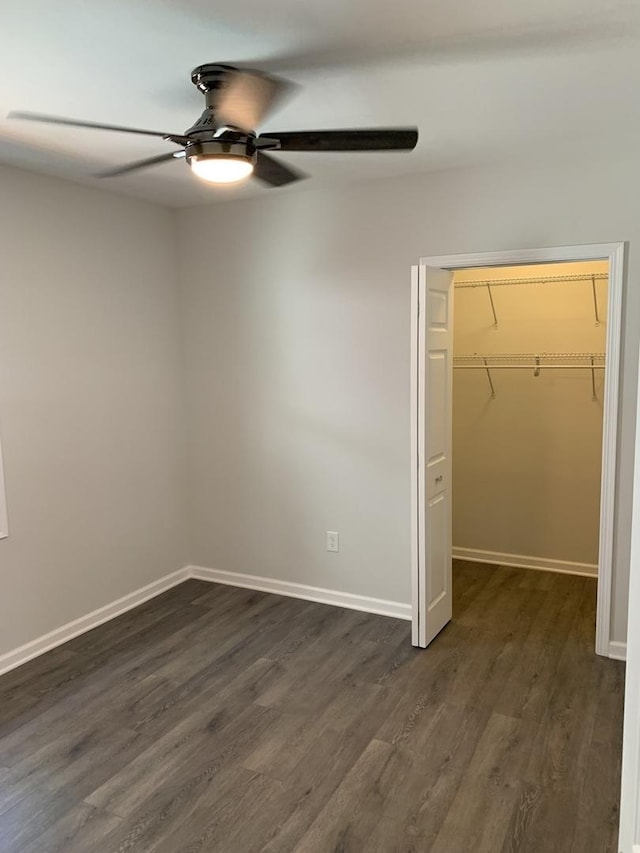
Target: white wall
[629,841]
[296,313]
[527,464]
[89,401]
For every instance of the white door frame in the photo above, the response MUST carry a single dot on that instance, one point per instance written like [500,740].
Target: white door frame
[614,253]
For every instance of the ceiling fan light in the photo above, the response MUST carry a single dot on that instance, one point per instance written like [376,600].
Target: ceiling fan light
[220,168]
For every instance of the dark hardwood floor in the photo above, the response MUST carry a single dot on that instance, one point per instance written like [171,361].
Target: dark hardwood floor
[220,719]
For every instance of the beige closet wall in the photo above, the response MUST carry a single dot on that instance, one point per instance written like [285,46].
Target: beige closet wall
[527,464]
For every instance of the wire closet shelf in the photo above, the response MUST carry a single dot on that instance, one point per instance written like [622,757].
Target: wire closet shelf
[545,279]
[535,362]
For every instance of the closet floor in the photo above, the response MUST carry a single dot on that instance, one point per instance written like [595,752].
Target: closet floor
[220,719]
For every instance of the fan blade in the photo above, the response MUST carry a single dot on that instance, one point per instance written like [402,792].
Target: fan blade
[93,125]
[247,97]
[374,139]
[270,171]
[140,164]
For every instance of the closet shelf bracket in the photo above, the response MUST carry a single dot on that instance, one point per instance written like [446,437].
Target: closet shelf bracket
[493,309]
[493,390]
[595,299]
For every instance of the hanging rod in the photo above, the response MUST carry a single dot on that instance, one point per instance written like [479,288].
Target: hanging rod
[532,361]
[527,356]
[535,367]
[544,279]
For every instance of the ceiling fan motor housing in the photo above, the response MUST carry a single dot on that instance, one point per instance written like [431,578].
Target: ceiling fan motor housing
[221,148]
[210,79]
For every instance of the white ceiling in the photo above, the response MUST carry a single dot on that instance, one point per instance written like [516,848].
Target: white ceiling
[483,81]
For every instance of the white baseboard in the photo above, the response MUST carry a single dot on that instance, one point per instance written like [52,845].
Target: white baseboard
[310,593]
[49,641]
[519,561]
[618,651]
[379,606]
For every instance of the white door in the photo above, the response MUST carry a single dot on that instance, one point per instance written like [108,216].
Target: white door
[431,386]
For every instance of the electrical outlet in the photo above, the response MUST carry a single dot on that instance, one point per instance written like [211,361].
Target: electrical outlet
[333,540]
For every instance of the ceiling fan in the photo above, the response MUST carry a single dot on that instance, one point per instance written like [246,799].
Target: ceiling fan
[223,146]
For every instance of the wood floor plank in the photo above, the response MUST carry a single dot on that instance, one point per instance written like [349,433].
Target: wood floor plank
[350,815]
[213,734]
[609,702]
[526,691]
[439,755]
[224,684]
[293,737]
[14,709]
[177,813]
[112,706]
[222,719]
[42,674]
[239,822]
[321,770]
[524,816]
[390,836]
[32,816]
[76,680]
[480,814]
[126,626]
[598,812]
[77,763]
[78,831]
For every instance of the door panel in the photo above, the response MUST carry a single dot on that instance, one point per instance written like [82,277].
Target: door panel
[437,309]
[432,343]
[437,556]
[436,380]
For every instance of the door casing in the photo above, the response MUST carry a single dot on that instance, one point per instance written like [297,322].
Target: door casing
[614,253]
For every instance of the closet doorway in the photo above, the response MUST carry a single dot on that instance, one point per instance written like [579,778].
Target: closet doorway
[531,364]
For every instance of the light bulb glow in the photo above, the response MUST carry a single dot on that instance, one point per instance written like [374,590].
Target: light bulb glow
[221,170]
